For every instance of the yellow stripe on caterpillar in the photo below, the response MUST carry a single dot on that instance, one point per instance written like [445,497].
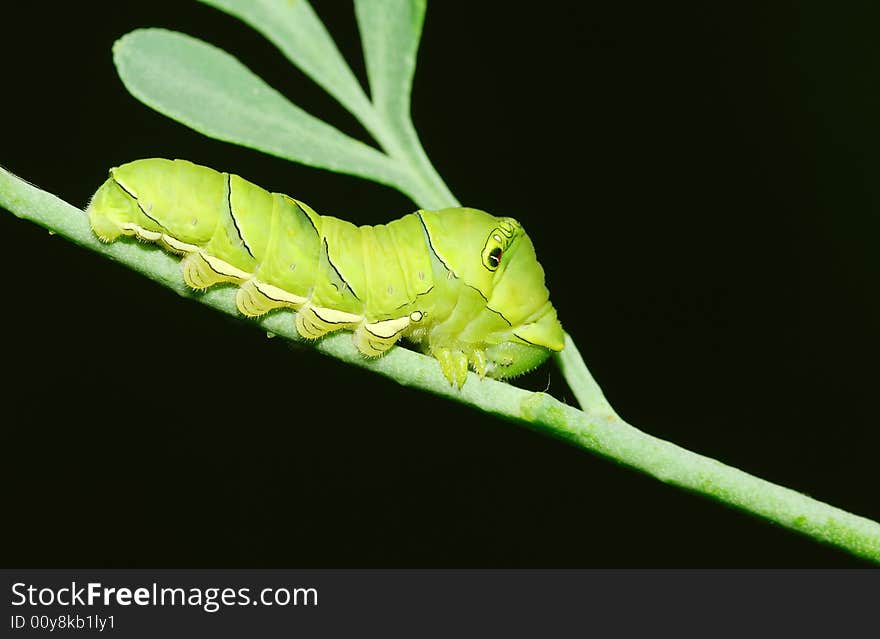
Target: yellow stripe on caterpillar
[337,318]
[225,268]
[388,329]
[177,245]
[141,232]
[279,294]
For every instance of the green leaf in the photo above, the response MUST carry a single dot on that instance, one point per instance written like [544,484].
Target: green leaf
[209,90]
[297,31]
[390,32]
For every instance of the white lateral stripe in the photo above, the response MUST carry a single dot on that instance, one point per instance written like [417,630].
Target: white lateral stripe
[275,293]
[333,316]
[388,328]
[152,236]
[141,232]
[125,187]
[224,268]
[178,245]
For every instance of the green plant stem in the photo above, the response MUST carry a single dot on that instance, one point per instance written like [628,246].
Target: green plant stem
[580,380]
[390,32]
[424,186]
[438,194]
[401,143]
[596,428]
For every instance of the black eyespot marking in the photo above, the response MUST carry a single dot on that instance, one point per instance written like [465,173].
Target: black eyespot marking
[499,240]
[494,257]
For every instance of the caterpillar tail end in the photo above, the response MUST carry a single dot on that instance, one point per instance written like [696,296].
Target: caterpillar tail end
[106,209]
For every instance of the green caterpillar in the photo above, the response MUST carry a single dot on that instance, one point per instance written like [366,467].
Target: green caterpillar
[462,284]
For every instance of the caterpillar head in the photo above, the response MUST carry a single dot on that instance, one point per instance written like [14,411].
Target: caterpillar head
[495,256]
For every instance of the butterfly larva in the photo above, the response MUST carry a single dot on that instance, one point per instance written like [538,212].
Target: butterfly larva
[464,285]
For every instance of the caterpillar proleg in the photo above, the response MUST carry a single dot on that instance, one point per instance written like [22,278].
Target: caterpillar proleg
[462,284]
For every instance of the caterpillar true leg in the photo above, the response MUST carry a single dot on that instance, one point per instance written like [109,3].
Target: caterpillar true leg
[453,364]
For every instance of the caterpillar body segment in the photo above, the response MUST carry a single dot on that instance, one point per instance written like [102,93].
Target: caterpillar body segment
[464,285]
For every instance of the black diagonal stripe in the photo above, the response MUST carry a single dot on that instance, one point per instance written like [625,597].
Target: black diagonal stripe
[526,341]
[308,217]
[144,211]
[499,313]
[431,245]
[122,186]
[232,215]
[138,202]
[202,257]
[336,270]
[489,308]
[479,292]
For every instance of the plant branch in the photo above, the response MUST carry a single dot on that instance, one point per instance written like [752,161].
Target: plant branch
[596,429]
[580,380]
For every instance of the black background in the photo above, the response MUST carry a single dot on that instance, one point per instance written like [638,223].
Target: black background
[700,181]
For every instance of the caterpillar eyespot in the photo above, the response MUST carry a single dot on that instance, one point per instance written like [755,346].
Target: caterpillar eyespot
[494,258]
[463,285]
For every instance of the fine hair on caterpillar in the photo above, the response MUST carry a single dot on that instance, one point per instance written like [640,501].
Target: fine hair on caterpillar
[463,285]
